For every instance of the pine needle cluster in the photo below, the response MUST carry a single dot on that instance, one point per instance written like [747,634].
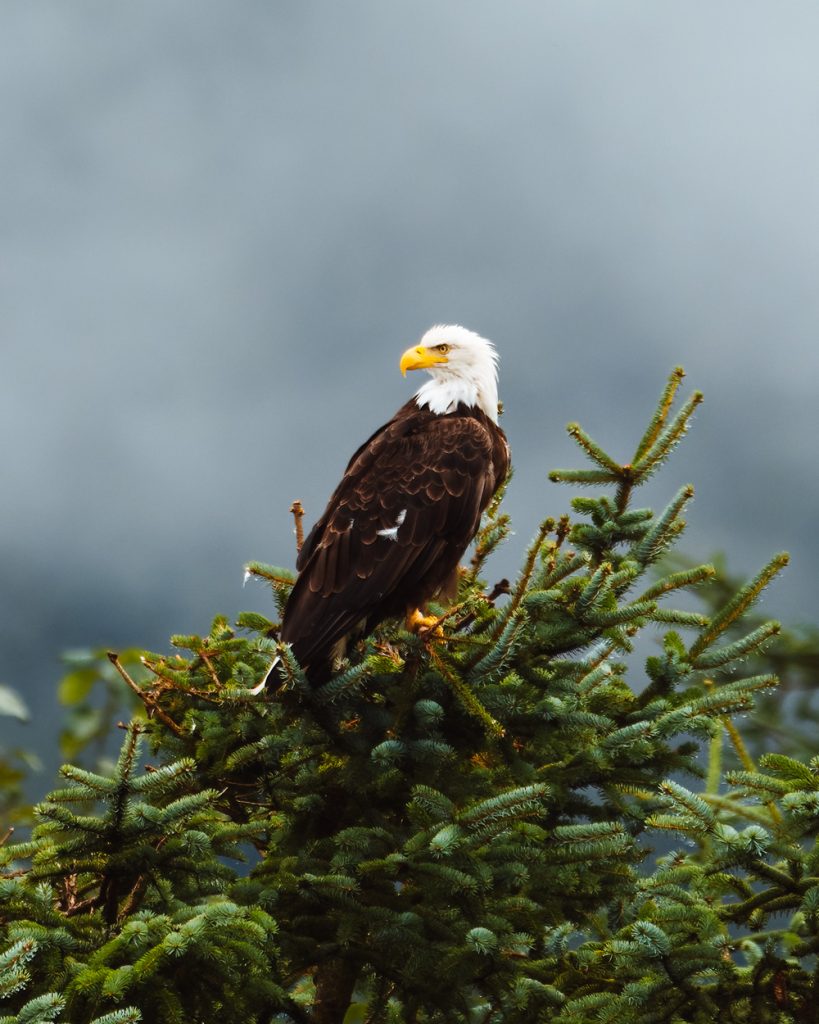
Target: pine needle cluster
[507,820]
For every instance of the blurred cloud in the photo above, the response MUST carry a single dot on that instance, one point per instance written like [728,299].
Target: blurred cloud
[221,226]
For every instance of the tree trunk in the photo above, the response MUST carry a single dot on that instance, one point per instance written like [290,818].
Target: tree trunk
[335,981]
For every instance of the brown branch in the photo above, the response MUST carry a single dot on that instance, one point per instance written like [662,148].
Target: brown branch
[501,587]
[78,908]
[147,700]
[70,903]
[171,684]
[429,630]
[134,897]
[210,668]
[298,514]
[335,981]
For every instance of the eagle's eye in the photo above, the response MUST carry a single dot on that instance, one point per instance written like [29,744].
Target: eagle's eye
[443,349]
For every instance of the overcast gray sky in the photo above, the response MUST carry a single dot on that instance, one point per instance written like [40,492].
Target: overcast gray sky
[221,224]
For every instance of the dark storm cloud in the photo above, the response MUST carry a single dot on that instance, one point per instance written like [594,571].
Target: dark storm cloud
[222,225]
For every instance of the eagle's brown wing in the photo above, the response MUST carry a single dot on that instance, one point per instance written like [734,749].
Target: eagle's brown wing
[395,528]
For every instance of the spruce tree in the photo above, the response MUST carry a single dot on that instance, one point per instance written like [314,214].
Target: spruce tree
[503,821]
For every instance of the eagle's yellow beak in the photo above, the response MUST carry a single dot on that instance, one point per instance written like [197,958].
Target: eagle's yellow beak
[420,358]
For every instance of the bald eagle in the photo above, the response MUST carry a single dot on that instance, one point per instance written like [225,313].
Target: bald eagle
[407,507]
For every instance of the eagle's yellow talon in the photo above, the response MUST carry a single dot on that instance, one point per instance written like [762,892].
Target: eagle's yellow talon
[423,625]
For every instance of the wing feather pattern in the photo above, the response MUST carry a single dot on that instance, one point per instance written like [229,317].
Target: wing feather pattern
[395,528]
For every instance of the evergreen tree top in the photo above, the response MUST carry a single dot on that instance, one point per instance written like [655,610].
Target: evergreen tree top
[458,826]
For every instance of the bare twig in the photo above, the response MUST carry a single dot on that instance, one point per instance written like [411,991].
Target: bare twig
[501,587]
[165,683]
[430,630]
[133,898]
[298,514]
[146,698]
[69,901]
[210,668]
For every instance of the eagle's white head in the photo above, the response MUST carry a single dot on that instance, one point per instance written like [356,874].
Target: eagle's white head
[463,367]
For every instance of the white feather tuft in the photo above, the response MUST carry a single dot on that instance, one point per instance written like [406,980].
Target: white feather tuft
[257,689]
[391,532]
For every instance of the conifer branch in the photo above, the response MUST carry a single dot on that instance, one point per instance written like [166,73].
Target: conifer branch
[168,679]
[535,548]
[292,673]
[584,476]
[664,529]
[597,675]
[738,744]
[719,656]
[739,604]
[698,996]
[653,456]
[493,531]
[466,697]
[559,569]
[593,450]
[209,666]
[661,413]
[685,579]
[596,587]
[673,616]
[501,647]
[714,773]
[272,573]
[745,758]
